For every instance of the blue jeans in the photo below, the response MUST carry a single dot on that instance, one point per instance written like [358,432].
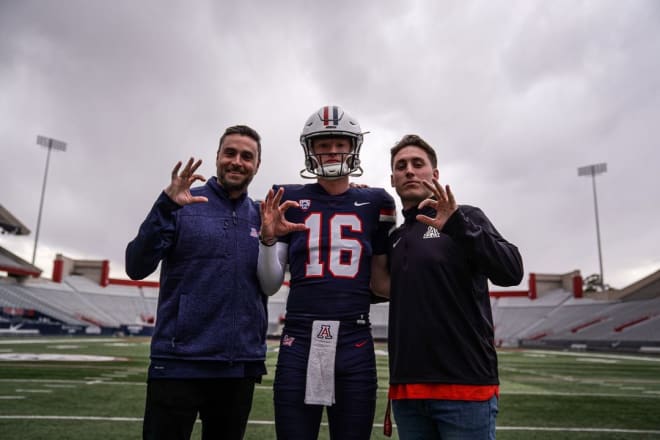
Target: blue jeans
[427,419]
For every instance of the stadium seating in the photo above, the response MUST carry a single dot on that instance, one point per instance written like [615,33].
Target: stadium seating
[553,313]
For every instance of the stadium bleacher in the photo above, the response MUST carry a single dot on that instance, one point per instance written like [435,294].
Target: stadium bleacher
[554,313]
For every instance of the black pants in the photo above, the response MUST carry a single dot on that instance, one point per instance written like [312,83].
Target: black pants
[172,406]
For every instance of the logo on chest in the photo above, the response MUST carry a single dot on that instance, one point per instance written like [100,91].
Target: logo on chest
[305,204]
[431,232]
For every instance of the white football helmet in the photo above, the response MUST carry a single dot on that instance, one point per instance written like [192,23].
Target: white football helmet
[331,121]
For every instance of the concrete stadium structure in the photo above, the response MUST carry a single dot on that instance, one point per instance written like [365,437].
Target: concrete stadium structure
[554,312]
[80,298]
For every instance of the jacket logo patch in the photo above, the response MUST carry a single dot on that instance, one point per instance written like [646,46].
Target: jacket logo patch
[288,340]
[254,233]
[431,232]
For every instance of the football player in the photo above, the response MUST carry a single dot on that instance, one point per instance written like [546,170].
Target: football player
[330,234]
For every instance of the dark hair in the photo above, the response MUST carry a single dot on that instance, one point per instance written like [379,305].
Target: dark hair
[243,130]
[414,141]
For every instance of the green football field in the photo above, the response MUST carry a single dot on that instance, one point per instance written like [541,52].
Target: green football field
[93,388]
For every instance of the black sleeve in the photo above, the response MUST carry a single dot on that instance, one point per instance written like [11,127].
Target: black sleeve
[495,257]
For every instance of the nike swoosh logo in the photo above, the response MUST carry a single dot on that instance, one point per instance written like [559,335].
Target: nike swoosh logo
[361,203]
[360,344]
[396,242]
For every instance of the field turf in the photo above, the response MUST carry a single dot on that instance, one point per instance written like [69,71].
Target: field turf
[544,395]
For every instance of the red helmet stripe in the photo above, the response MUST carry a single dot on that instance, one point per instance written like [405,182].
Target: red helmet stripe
[325,115]
[327,119]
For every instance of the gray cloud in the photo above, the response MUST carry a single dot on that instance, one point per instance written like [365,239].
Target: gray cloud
[514,95]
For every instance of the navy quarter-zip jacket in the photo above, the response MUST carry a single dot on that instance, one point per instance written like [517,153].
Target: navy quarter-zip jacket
[210,304]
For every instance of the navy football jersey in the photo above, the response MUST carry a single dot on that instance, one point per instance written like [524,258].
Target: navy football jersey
[330,262]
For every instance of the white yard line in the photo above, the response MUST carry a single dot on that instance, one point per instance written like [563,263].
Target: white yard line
[376,425]
[51,341]
[90,380]
[23,390]
[595,355]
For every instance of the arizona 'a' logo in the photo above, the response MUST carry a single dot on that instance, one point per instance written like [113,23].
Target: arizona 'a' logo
[305,204]
[324,333]
[431,232]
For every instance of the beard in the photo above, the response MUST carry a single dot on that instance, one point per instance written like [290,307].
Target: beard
[234,183]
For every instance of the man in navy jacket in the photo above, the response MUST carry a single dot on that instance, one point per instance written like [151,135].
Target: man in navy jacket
[209,344]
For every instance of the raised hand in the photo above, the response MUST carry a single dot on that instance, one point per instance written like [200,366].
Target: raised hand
[273,222]
[179,188]
[442,201]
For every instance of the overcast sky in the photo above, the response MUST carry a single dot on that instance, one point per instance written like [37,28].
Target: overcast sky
[514,96]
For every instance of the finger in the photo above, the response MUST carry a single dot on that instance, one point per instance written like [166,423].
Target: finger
[196,165]
[296,227]
[274,200]
[268,198]
[197,177]
[427,202]
[175,170]
[199,199]
[450,197]
[436,184]
[441,192]
[289,204]
[430,186]
[278,196]
[186,169]
[424,219]
[434,188]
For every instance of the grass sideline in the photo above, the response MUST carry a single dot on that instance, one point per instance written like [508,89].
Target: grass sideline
[544,395]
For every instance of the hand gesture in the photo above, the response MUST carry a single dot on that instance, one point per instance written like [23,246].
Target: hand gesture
[273,222]
[442,201]
[179,188]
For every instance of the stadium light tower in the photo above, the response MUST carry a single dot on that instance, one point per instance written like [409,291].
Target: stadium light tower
[593,170]
[50,144]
